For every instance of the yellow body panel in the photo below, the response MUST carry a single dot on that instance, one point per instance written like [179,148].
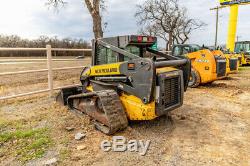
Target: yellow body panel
[90,88]
[232,56]
[232,29]
[134,107]
[244,60]
[204,63]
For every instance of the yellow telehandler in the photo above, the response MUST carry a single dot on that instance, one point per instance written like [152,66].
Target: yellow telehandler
[206,67]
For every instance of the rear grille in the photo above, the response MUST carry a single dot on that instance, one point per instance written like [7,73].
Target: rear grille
[221,66]
[172,92]
[233,63]
[221,69]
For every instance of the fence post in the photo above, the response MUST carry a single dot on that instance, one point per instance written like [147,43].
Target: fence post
[50,72]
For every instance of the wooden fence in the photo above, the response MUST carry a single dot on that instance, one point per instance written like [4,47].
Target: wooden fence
[49,68]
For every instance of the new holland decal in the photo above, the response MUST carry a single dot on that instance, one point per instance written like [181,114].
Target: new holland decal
[108,70]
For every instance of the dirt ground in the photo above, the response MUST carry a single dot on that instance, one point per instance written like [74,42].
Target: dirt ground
[211,128]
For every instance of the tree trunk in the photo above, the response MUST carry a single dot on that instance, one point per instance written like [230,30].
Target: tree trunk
[170,39]
[97,26]
[94,10]
[167,45]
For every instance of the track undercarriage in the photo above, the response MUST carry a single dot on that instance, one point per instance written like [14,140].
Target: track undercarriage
[103,106]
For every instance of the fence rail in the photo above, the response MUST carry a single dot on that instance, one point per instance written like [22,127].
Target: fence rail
[49,68]
[41,49]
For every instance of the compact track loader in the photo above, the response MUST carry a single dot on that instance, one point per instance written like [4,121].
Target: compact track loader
[206,67]
[123,84]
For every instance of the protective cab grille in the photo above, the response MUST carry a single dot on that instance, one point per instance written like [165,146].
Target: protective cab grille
[171,89]
[233,63]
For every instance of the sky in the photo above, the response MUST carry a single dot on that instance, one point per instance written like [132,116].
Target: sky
[32,18]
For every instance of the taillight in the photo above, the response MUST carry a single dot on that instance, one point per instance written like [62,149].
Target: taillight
[150,39]
[139,38]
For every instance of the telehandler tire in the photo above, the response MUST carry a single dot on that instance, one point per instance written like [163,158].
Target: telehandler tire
[195,79]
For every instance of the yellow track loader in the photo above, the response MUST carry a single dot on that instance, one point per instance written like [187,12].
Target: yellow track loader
[243,48]
[206,67]
[122,84]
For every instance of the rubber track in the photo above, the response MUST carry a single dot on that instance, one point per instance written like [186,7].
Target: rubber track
[112,108]
[114,112]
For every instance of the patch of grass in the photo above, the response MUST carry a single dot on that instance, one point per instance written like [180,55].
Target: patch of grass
[3,124]
[28,144]
[13,124]
[63,154]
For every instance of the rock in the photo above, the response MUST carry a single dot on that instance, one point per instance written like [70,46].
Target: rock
[238,92]
[182,118]
[81,147]
[79,136]
[75,158]
[69,128]
[1,155]
[50,162]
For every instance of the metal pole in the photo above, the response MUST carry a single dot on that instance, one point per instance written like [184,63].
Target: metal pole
[217,25]
[50,72]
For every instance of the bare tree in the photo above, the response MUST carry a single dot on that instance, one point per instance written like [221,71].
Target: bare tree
[41,42]
[185,27]
[94,7]
[167,20]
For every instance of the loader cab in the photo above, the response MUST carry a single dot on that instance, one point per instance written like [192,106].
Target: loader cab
[136,45]
[242,47]
[182,49]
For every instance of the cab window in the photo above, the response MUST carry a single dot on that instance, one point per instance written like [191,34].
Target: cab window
[238,47]
[133,49]
[177,51]
[105,56]
[247,48]
[195,48]
[186,50]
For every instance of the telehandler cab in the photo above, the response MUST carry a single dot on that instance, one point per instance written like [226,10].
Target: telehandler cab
[122,84]
[206,67]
